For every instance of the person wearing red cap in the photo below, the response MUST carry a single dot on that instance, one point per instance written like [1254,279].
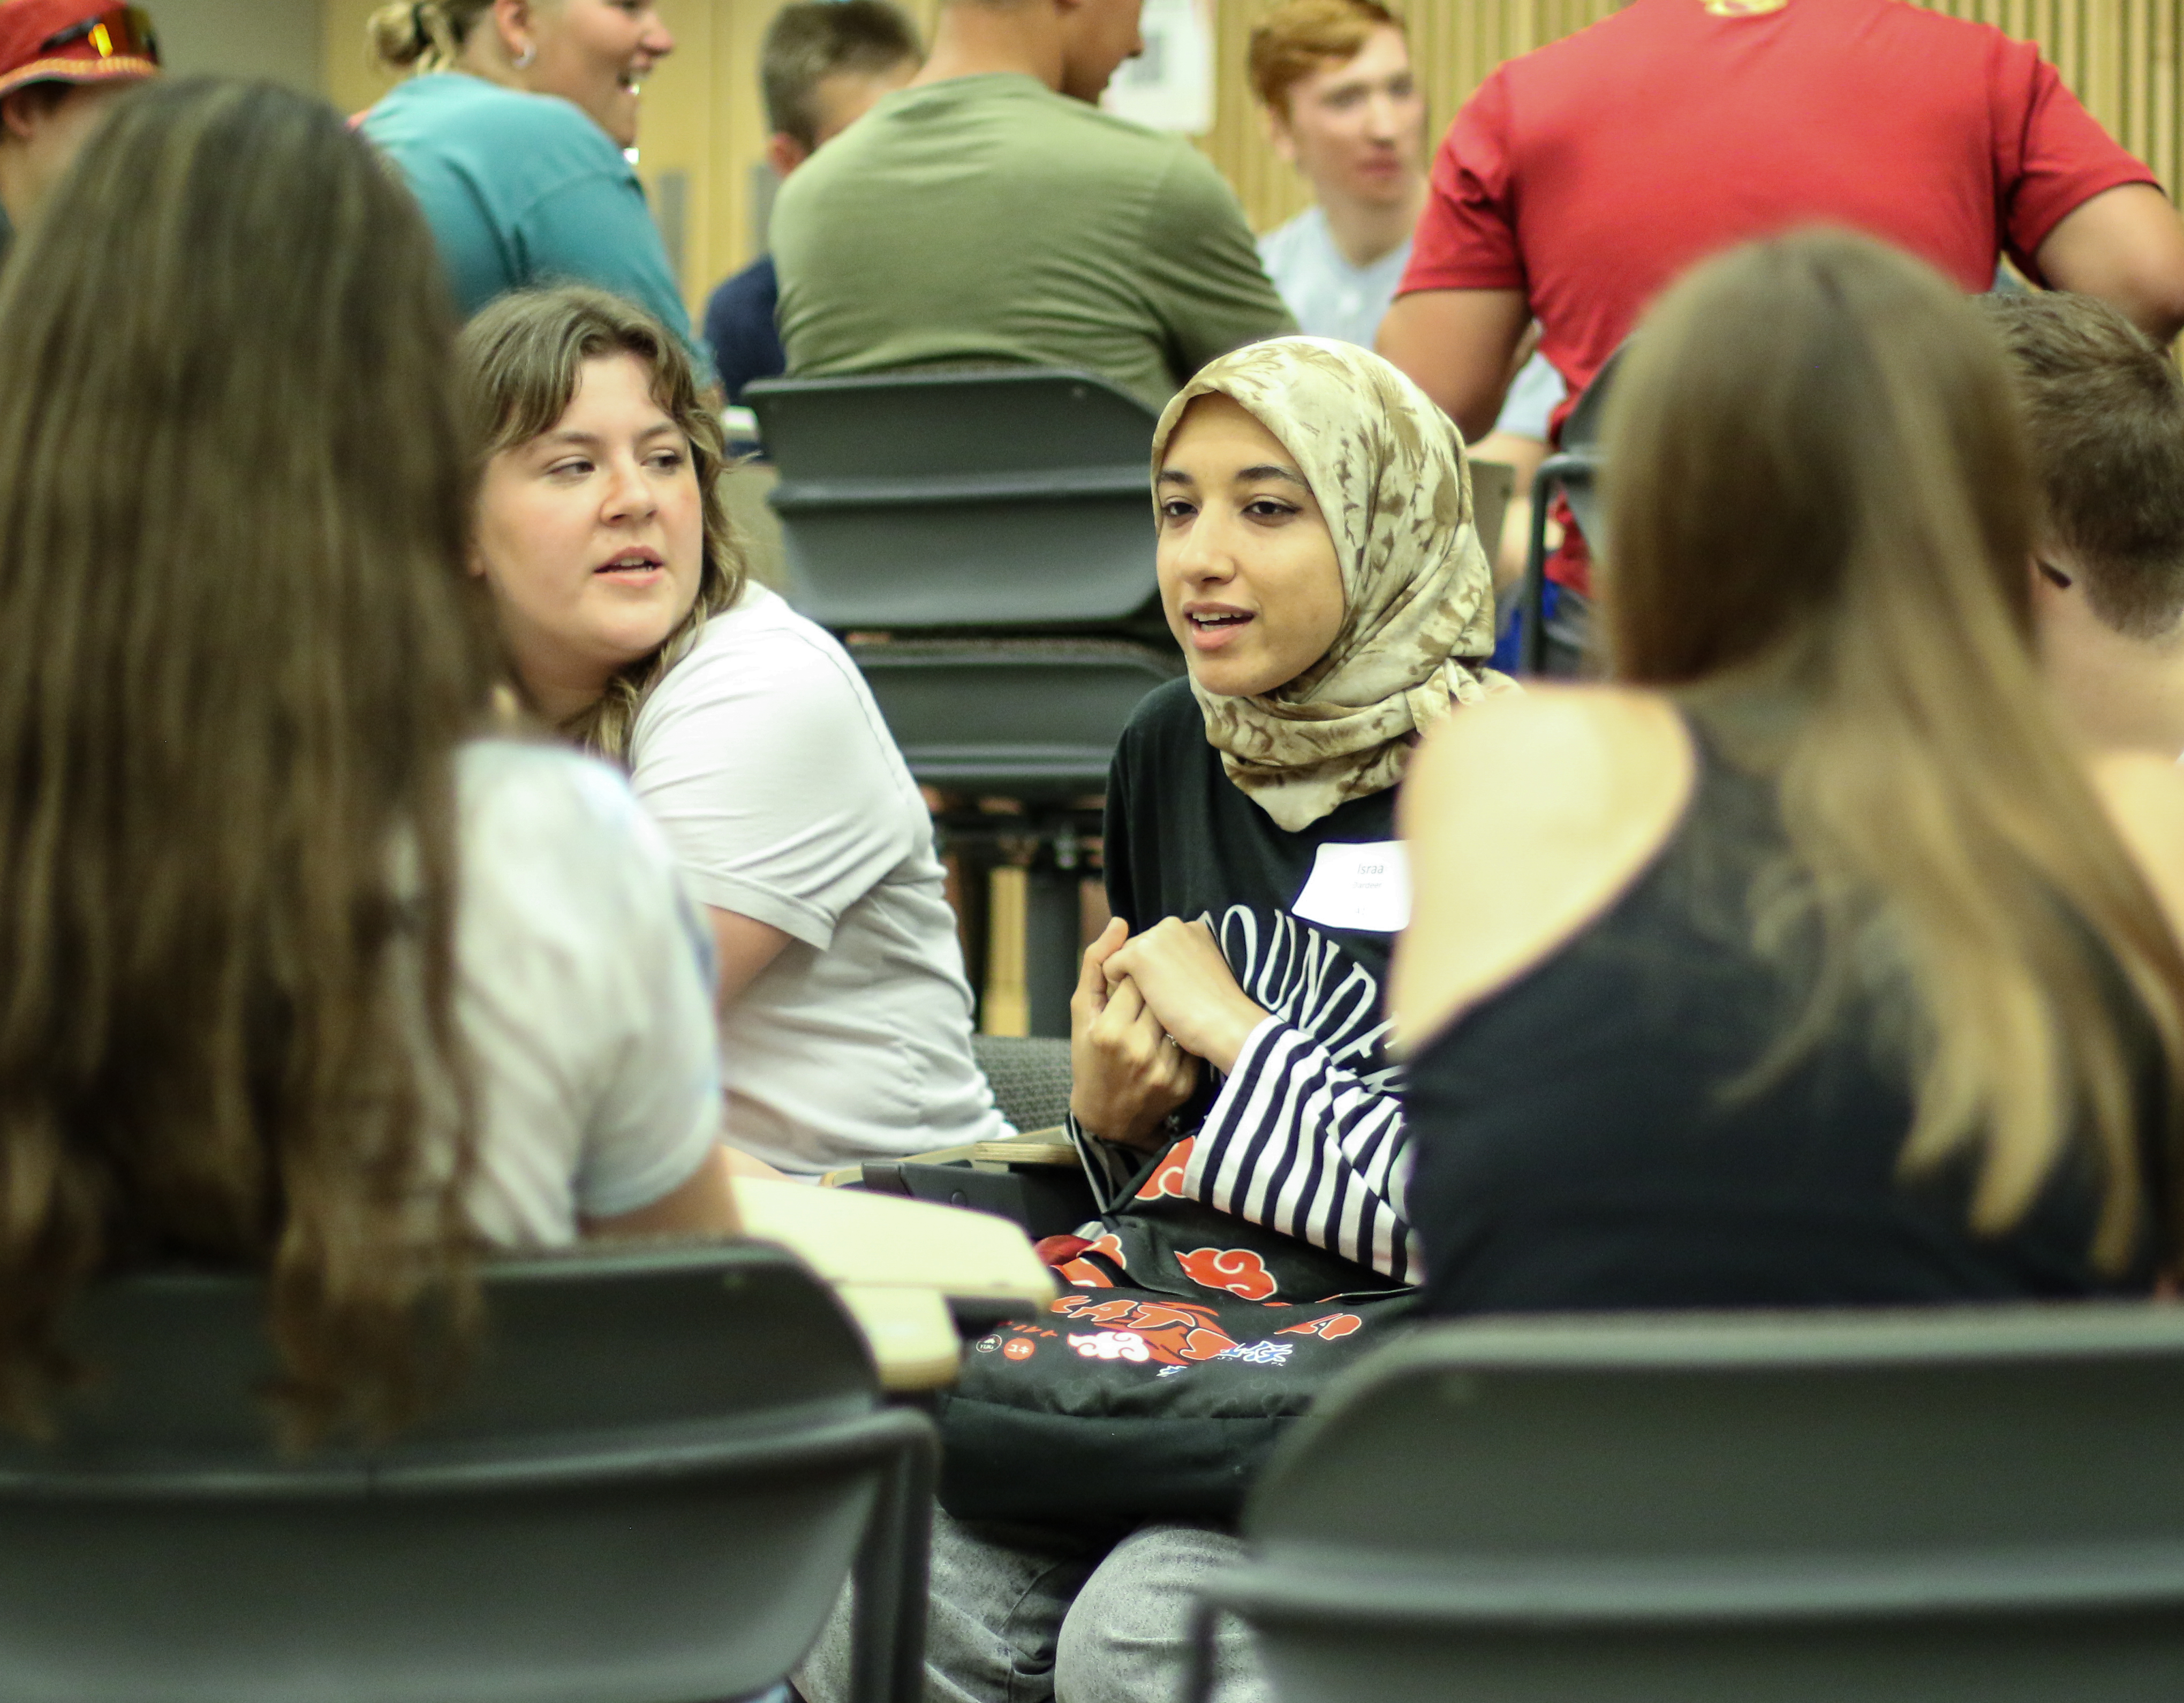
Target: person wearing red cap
[61,62]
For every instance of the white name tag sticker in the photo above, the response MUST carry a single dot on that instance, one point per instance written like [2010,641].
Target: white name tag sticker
[1365,888]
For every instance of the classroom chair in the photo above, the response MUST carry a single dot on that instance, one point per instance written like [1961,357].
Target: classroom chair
[1573,472]
[1967,1505]
[650,1487]
[984,542]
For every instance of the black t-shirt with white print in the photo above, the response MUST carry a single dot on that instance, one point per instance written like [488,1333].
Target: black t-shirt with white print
[1304,1138]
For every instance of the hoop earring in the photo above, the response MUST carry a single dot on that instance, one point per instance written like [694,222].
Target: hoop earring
[522,60]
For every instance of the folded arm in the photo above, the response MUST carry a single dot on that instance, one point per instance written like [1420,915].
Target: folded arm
[1299,1143]
[1298,1140]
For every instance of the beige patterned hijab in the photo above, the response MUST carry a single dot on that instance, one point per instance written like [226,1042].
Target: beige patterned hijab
[1388,469]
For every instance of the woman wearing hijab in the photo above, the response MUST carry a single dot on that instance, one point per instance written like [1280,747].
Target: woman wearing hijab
[1318,564]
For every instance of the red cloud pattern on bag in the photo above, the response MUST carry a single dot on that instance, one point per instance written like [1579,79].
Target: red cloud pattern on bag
[1174,1333]
[1081,1273]
[1167,1182]
[1237,1270]
[1329,1327]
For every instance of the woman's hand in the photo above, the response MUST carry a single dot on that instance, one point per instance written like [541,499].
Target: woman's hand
[1126,1075]
[1178,970]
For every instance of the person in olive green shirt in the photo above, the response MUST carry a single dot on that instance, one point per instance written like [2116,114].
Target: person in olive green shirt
[990,215]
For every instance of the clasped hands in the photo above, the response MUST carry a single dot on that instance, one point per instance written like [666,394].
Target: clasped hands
[1147,1011]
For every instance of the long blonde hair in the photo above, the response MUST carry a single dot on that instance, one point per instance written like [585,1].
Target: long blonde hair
[521,358]
[237,666]
[1819,515]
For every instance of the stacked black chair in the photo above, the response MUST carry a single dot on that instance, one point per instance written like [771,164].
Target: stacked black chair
[984,542]
[660,1470]
[1968,1506]
[1573,472]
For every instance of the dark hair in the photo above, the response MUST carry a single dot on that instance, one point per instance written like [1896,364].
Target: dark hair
[1820,502]
[239,661]
[809,40]
[520,358]
[2106,410]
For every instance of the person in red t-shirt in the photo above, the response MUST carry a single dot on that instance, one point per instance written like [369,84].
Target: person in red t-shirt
[1584,177]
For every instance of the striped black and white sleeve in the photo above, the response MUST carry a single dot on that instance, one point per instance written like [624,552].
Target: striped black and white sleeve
[1298,1144]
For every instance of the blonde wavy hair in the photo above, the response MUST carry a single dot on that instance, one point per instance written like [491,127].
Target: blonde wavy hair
[520,360]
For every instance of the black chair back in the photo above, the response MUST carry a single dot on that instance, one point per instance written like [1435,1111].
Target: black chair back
[996,499]
[1896,1508]
[1573,471]
[650,1489]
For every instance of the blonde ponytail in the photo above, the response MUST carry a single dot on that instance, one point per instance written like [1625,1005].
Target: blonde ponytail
[413,35]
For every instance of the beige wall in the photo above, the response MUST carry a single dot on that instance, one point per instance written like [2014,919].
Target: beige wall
[702,113]
[278,39]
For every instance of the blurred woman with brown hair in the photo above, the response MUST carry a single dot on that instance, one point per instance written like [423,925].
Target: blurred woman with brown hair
[296,974]
[1807,964]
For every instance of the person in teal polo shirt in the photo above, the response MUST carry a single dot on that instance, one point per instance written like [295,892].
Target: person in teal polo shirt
[513,142]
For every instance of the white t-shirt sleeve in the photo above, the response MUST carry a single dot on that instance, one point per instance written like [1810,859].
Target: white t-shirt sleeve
[585,995]
[768,768]
[656,1112]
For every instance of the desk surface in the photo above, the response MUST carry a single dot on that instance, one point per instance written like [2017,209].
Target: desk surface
[896,1264]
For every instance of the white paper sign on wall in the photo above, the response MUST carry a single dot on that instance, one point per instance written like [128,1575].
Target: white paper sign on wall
[1169,85]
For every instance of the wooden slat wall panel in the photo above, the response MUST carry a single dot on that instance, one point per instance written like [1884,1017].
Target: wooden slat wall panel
[2120,56]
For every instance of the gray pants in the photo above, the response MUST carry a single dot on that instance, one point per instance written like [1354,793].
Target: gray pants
[1025,1614]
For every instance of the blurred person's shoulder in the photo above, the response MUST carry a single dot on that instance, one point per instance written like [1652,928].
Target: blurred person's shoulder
[1049,131]
[1605,41]
[952,160]
[1561,763]
[533,809]
[451,110]
[1637,44]
[456,98]
[2144,794]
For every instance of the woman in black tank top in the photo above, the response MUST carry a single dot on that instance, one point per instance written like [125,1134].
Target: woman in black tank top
[1605,1132]
[1817,974]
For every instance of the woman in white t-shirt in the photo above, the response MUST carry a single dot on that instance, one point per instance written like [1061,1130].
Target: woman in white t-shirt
[749,735]
[296,974]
